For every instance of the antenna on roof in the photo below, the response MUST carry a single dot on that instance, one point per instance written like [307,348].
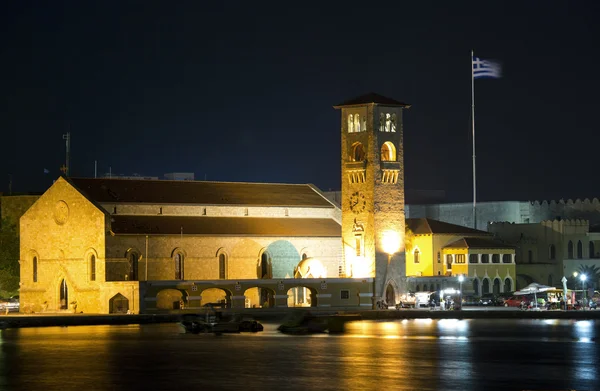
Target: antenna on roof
[95,168]
[182,232]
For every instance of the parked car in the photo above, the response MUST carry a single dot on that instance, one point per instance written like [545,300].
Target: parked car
[516,301]
[488,299]
[470,300]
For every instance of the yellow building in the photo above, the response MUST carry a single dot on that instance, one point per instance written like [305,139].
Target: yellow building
[440,252]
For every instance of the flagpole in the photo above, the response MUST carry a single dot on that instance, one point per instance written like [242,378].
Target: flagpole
[473,129]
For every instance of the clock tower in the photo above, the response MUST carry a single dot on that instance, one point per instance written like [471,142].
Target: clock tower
[373,194]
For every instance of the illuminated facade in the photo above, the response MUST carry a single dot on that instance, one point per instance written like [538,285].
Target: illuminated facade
[115,245]
[373,193]
[440,252]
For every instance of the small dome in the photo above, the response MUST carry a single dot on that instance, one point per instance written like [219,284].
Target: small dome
[310,268]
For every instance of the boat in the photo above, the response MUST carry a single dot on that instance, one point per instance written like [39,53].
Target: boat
[209,323]
[303,322]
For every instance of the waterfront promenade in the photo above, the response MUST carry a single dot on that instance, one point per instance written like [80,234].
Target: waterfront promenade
[277,315]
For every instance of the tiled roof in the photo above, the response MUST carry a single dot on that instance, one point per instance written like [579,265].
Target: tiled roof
[216,226]
[104,190]
[478,243]
[424,226]
[372,98]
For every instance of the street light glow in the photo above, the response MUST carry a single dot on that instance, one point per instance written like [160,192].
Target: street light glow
[461,278]
[583,277]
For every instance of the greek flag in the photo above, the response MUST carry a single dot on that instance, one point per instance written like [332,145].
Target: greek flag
[484,68]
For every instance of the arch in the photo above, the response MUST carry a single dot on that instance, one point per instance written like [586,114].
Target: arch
[508,285]
[570,250]
[390,295]
[169,299]
[91,256]
[302,296]
[496,288]
[485,258]
[388,122]
[118,304]
[357,123]
[552,251]
[310,268]
[579,249]
[264,266]
[350,123]
[418,288]
[431,287]
[223,259]
[495,258]
[591,250]
[64,295]
[215,296]
[178,264]
[259,296]
[485,286]
[133,257]
[448,261]
[476,286]
[357,152]
[388,152]
[394,122]
[417,255]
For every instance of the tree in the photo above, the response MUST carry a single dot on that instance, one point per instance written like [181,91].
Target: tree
[9,258]
[408,239]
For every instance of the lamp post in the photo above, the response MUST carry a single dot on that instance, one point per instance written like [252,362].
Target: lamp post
[583,277]
[461,278]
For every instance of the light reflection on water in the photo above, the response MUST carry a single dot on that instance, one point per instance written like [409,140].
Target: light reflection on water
[422,354]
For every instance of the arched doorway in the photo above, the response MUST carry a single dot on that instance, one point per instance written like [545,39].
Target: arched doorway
[390,295]
[301,296]
[118,304]
[496,286]
[507,285]
[64,295]
[476,286]
[485,286]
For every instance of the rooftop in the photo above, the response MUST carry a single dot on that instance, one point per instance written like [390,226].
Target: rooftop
[479,243]
[425,226]
[372,98]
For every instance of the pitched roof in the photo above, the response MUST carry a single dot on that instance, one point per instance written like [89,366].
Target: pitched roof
[217,226]
[424,226]
[372,98]
[198,192]
[478,243]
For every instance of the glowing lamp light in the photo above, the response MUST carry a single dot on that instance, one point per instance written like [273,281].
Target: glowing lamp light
[390,242]
[583,277]
[461,278]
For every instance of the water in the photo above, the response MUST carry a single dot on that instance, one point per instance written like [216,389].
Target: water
[398,355]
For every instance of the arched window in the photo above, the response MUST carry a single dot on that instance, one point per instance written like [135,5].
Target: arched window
[394,122]
[222,266]
[496,258]
[92,267]
[485,258]
[485,286]
[570,250]
[507,285]
[304,256]
[265,266]
[496,286]
[417,255]
[388,122]
[356,123]
[358,152]
[178,259]
[133,266]
[418,288]
[388,152]
[350,123]
[381,122]
[431,288]
[35,267]
[579,249]
[476,286]
[552,251]
[591,250]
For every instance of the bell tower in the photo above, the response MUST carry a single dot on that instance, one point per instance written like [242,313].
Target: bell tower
[373,194]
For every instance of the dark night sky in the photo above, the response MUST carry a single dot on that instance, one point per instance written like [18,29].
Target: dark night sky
[240,91]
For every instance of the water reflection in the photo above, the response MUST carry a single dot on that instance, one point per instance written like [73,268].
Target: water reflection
[422,354]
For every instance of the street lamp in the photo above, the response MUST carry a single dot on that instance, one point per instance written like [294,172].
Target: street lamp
[461,278]
[583,277]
